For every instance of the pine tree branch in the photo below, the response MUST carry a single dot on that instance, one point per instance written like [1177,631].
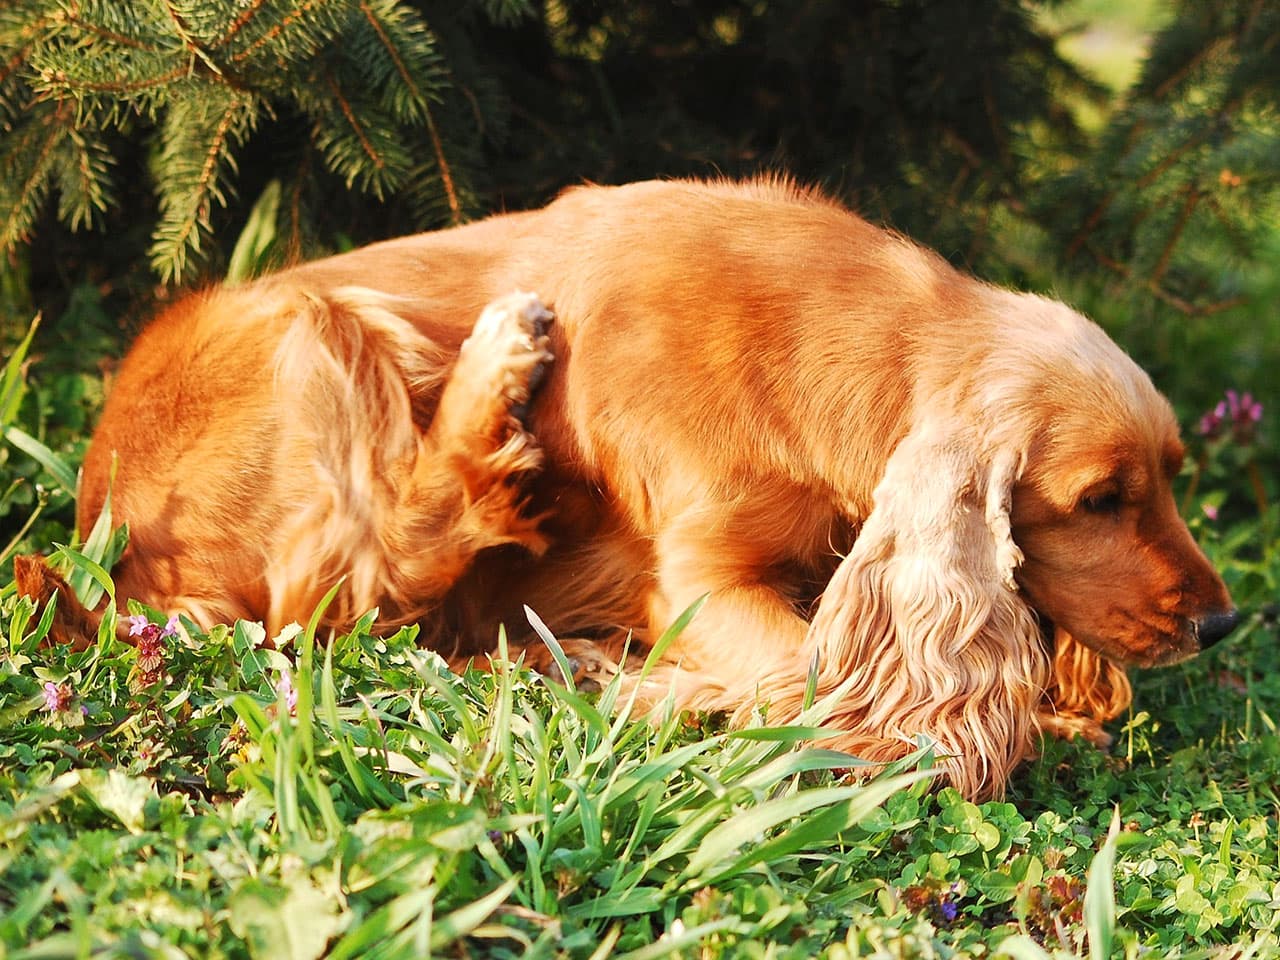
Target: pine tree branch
[180,27]
[1178,303]
[285,22]
[14,232]
[31,34]
[120,86]
[437,145]
[77,205]
[1205,52]
[446,176]
[1151,176]
[356,127]
[239,23]
[1161,91]
[1188,206]
[72,16]
[197,142]
[210,165]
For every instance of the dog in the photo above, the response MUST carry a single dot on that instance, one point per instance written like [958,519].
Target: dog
[943,506]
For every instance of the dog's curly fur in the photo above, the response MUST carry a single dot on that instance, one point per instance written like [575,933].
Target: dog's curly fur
[755,395]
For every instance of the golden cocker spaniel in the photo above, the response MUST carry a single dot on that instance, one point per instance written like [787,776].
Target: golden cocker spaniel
[754,395]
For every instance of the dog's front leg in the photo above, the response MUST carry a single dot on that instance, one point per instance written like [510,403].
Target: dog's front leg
[746,631]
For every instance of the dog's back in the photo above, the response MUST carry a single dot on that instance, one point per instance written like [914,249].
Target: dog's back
[678,341]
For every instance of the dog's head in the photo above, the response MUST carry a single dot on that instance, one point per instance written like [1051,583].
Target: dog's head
[1032,489]
[1106,555]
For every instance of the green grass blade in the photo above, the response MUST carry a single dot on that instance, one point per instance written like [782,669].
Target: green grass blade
[103,546]
[1100,896]
[250,255]
[462,921]
[58,468]
[557,651]
[671,633]
[96,575]
[746,827]
[12,385]
[810,832]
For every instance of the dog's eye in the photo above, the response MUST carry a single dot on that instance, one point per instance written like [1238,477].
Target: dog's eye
[1103,503]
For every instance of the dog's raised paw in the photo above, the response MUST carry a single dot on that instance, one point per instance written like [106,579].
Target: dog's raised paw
[510,348]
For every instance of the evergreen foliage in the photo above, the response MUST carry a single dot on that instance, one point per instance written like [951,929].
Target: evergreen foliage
[356,83]
[1187,165]
[430,114]
[383,116]
[1171,216]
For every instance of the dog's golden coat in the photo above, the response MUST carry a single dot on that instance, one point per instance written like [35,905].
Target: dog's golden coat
[749,383]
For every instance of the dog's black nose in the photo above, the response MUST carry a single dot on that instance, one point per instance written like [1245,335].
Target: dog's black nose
[1214,626]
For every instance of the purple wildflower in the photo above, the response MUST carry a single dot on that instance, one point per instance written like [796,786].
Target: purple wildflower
[1239,415]
[150,644]
[284,687]
[60,704]
[948,909]
[57,696]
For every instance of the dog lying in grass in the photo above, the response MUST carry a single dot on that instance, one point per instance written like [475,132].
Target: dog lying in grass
[951,501]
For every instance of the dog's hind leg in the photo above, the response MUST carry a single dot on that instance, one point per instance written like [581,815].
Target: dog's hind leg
[400,509]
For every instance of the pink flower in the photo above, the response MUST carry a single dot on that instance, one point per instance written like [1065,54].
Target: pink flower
[1210,510]
[57,696]
[284,687]
[140,626]
[60,704]
[1238,413]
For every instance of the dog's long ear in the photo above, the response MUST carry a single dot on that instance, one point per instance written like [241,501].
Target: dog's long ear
[73,623]
[1084,692]
[922,629]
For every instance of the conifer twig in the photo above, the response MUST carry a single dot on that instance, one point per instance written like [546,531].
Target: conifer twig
[239,23]
[30,34]
[72,16]
[1160,293]
[437,145]
[352,121]
[1184,216]
[12,233]
[205,179]
[125,86]
[285,22]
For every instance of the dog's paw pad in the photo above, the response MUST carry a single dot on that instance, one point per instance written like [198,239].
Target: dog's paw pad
[509,348]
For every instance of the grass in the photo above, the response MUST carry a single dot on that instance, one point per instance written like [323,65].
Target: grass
[355,798]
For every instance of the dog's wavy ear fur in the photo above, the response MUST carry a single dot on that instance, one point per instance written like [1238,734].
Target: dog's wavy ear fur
[73,623]
[922,629]
[1084,692]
